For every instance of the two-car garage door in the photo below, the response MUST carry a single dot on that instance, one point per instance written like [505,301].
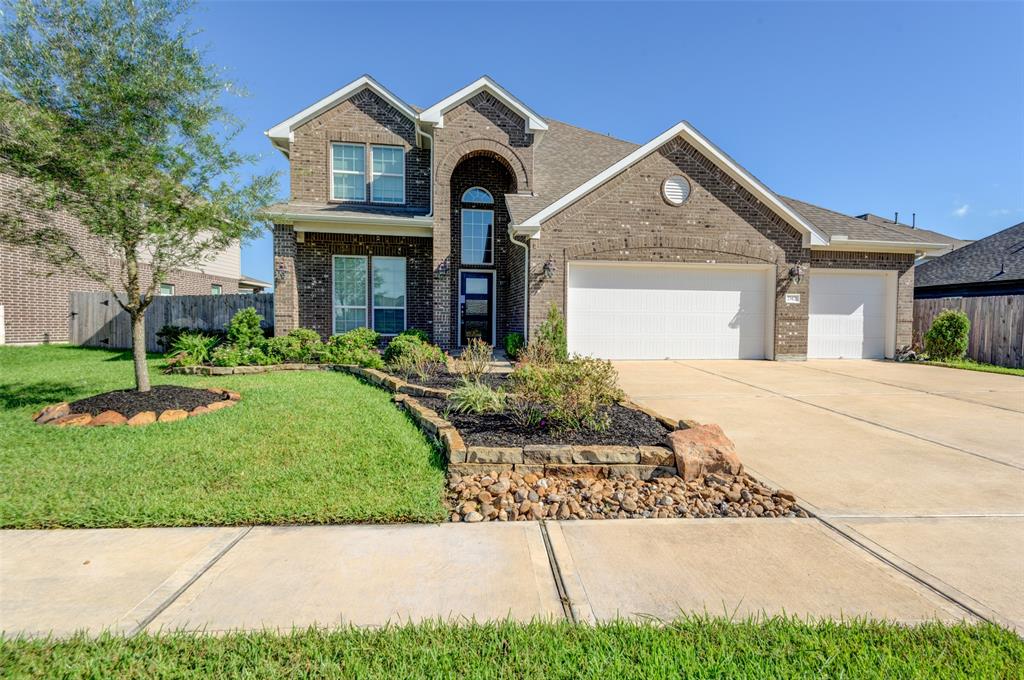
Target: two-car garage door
[716,311]
[654,311]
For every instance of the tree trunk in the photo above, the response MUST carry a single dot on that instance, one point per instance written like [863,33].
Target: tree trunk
[139,351]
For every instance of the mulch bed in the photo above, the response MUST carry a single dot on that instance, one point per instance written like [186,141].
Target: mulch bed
[159,398]
[628,428]
[449,381]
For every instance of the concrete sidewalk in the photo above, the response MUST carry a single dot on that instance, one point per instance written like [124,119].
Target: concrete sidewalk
[129,580]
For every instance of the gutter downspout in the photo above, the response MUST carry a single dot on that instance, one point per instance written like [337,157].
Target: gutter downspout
[526,283]
[421,132]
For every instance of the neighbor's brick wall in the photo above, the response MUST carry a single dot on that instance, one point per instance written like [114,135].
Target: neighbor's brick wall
[36,298]
[367,119]
[314,275]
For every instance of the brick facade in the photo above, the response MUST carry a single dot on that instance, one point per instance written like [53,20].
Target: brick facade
[484,143]
[313,276]
[36,298]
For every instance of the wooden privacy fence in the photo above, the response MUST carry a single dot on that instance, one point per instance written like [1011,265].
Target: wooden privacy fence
[997,326]
[97,320]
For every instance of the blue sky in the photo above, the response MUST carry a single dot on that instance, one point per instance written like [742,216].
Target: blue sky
[859,107]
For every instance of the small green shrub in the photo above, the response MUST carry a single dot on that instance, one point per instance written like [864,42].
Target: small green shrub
[357,346]
[476,397]
[408,355]
[475,360]
[551,336]
[422,335]
[571,395]
[193,349]
[947,338]
[226,355]
[300,345]
[244,330]
[254,356]
[513,345]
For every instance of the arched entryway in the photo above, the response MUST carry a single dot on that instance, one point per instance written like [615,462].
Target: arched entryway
[485,289]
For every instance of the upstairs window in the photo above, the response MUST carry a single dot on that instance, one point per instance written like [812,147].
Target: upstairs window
[348,172]
[388,184]
[477,195]
[477,236]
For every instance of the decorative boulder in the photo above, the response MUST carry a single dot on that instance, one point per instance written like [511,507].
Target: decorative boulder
[108,418]
[704,449]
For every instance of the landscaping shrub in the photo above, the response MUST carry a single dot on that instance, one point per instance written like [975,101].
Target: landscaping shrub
[422,335]
[357,346]
[244,330]
[550,337]
[193,349]
[226,355]
[301,345]
[475,360]
[408,355]
[513,345]
[475,397]
[166,336]
[255,356]
[571,394]
[947,338]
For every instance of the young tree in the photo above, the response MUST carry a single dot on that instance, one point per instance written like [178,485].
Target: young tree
[110,113]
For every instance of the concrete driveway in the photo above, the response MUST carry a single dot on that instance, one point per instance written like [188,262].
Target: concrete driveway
[921,466]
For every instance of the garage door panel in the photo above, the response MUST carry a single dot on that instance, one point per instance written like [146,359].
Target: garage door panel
[659,311]
[847,315]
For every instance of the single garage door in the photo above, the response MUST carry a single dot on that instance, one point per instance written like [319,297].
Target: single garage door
[653,311]
[849,315]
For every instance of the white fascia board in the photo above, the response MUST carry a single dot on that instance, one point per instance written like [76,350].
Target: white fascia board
[435,114]
[812,235]
[283,130]
[840,242]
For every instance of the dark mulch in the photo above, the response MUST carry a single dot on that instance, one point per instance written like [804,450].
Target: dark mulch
[160,398]
[628,428]
[449,381]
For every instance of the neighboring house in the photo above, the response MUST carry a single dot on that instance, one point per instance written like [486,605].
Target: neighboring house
[471,217]
[35,303]
[954,243]
[247,284]
[993,265]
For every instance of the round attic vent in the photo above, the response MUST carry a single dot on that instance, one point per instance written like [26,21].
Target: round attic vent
[676,190]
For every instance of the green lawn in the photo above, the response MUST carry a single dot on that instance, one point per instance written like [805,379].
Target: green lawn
[701,648]
[971,365]
[301,447]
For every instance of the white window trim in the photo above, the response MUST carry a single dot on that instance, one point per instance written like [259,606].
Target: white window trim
[362,198]
[494,304]
[168,285]
[374,174]
[365,307]
[405,312]
[489,195]
[219,287]
[462,235]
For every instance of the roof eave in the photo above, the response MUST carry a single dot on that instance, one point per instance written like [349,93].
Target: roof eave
[839,242]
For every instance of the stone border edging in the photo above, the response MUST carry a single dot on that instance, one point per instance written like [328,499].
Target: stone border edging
[60,414]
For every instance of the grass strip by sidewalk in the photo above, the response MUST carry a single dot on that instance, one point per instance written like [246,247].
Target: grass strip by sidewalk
[971,365]
[692,647]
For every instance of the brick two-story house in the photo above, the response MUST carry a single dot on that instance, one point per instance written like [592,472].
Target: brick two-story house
[470,217]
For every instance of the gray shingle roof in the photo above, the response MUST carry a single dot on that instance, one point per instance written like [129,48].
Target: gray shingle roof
[994,259]
[933,235]
[837,224]
[329,209]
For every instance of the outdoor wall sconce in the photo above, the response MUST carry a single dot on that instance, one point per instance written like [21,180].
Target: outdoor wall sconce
[281,273]
[549,268]
[796,273]
[442,268]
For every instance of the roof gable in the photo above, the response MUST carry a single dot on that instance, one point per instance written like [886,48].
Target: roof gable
[435,114]
[812,235]
[281,133]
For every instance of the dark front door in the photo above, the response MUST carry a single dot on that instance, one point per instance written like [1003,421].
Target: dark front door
[476,292]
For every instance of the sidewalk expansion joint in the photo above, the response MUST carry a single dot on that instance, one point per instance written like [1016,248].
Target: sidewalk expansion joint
[556,573]
[169,600]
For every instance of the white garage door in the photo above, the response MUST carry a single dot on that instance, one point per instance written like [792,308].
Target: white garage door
[618,311]
[848,315]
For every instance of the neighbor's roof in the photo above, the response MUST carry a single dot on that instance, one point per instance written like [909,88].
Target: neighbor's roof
[994,259]
[253,282]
